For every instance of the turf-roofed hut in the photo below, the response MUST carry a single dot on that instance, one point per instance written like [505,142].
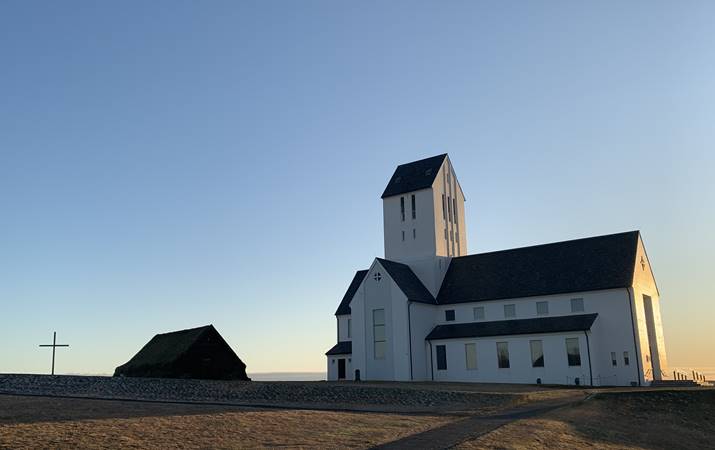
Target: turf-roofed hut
[199,353]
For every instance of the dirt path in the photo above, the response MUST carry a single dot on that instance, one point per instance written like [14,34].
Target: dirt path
[471,427]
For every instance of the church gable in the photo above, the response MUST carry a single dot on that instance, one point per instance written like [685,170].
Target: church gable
[642,271]
[407,281]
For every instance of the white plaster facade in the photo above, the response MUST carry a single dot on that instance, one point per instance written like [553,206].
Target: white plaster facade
[624,345]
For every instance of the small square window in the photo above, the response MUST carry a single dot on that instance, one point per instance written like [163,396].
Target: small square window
[449,315]
[577,305]
[509,311]
[479,313]
[542,308]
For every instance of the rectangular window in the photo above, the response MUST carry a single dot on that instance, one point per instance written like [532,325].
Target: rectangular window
[403,235]
[449,209]
[573,351]
[509,311]
[402,208]
[542,308]
[378,332]
[454,209]
[350,329]
[626,359]
[414,210]
[503,355]
[479,313]
[441,357]
[614,361]
[445,234]
[537,353]
[470,354]
[449,315]
[444,209]
[576,305]
[414,233]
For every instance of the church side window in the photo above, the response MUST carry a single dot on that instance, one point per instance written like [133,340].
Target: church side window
[414,207]
[542,308]
[441,357]
[509,311]
[454,209]
[470,354]
[402,208]
[414,233]
[403,235]
[503,355]
[444,209]
[614,361]
[626,359]
[573,351]
[479,313]
[537,353]
[378,332]
[576,305]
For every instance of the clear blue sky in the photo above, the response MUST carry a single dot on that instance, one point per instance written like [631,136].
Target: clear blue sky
[170,164]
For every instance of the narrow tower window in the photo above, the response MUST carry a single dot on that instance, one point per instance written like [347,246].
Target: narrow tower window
[414,210]
[414,233]
[444,208]
[454,202]
[402,208]
[449,209]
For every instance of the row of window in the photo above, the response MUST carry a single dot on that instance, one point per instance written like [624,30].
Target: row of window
[573,354]
[402,208]
[449,209]
[542,309]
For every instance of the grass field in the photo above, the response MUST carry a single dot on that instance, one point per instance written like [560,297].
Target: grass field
[40,422]
[683,419]
[610,419]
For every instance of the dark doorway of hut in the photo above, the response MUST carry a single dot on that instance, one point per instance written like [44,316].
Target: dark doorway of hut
[341,369]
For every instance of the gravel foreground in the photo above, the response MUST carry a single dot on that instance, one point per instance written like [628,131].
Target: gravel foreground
[319,395]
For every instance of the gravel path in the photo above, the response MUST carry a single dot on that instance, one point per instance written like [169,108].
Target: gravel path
[314,395]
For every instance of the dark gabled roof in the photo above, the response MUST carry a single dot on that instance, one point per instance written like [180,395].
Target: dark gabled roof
[344,307]
[407,281]
[341,348]
[590,264]
[541,325]
[414,176]
[166,348]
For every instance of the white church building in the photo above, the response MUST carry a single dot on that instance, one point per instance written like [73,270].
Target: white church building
[584,311]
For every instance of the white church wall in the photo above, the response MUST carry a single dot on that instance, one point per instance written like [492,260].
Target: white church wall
[652,354]
[359,331]
[555,371]
[342,333]
[378,295]
[430,271]
[332,374]
[423,321]
[612,331]
[419,234]
[400,341]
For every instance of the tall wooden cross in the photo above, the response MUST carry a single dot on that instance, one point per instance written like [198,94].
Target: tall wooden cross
[54,345]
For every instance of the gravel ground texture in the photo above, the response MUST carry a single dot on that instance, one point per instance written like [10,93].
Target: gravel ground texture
[317,395]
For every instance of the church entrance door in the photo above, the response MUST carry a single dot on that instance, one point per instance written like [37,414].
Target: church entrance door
[341,369]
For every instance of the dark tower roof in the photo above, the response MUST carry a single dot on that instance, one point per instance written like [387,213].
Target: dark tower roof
[414,176]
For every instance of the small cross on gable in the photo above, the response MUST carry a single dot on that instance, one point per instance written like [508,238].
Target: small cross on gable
[643,262]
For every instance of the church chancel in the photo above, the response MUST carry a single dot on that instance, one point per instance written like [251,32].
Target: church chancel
[584,311]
